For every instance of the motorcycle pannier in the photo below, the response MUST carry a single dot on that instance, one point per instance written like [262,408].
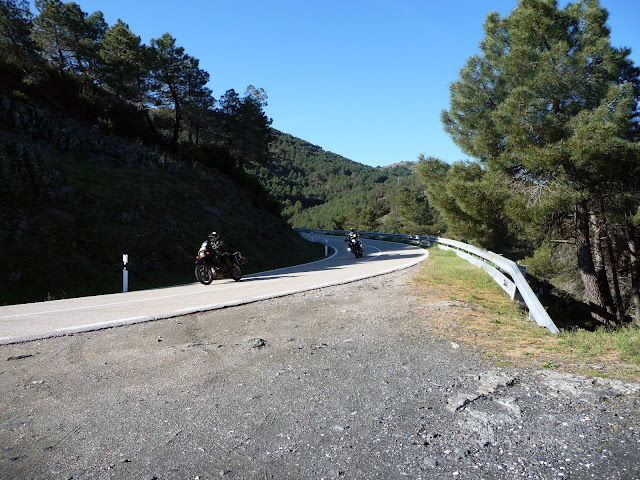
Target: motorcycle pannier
[240,258]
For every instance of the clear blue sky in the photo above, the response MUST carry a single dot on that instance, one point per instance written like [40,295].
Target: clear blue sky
[366,79]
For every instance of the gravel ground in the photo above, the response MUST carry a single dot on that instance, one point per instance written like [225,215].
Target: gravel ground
[343,382]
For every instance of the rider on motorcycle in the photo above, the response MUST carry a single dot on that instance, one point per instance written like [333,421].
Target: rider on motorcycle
[352,236]
[215,261]
[216,245]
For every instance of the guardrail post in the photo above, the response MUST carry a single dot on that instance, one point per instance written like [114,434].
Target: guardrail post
[326,248]
[125,273]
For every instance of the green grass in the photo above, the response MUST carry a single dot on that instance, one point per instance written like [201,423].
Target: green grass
[451,270]
[504,331]
[623,343]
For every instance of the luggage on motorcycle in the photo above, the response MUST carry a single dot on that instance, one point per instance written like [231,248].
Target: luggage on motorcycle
[240,258]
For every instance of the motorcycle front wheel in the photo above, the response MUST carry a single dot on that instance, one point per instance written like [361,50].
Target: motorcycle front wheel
[204,274]
[235,273]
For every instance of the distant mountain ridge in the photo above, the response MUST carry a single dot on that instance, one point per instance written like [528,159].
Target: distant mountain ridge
[321,189]
[301,171]
[410,165]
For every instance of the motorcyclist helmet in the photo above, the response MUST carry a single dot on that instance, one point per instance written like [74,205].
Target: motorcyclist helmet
[214,237]
[353,230]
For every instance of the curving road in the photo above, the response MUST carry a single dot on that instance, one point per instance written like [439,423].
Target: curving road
[20,323]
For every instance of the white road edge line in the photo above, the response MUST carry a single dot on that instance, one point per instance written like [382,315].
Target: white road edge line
[335,252]
[117,322]
[115,303]
[100,324]
[376,255]
[86,307]
[362,277]
[198,309]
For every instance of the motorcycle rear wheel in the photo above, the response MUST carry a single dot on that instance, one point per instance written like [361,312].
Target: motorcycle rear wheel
[204,274]
[236,273]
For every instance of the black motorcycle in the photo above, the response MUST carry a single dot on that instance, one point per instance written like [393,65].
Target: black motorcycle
[355,247]
[211,264]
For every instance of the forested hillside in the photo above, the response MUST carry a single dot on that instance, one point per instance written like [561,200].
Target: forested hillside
[320,189]
[154,94]
[109,146]
[74,199]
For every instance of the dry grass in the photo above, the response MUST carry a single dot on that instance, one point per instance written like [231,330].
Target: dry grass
[480,313]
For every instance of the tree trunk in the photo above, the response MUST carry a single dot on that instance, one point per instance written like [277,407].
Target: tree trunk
[634,269]
[601,271]
[154,131]
[616,281]
[586,266]
[176,128]
[614,258]
[177,116]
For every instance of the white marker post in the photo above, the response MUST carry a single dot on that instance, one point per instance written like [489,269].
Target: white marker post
[125,273]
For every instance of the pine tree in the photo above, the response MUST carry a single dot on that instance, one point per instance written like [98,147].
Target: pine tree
[124,66]
[254,134]
[67,37]
[16,45]
[170,71]
[243,128]
[550,103]
[472,201]
[198,105]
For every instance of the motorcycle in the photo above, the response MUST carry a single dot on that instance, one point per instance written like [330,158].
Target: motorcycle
[355,247]
[210,265]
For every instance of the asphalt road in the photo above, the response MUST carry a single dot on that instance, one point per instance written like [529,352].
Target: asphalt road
[350,381]
[41,320]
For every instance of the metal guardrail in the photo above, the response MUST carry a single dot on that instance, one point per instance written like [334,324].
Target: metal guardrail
[505,272]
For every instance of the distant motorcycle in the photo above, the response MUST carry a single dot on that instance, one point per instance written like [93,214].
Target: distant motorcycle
[355,247]
[210,265]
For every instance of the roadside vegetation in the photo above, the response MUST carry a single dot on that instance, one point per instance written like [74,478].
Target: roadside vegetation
[480,313]
[548,110]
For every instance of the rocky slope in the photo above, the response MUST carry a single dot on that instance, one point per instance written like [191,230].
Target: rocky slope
[74,198]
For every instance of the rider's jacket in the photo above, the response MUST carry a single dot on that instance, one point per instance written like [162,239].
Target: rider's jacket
[217,247]
[352,237]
